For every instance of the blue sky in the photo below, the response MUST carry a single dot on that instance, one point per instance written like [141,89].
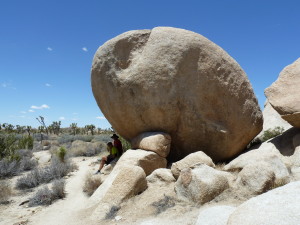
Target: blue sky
[47,47]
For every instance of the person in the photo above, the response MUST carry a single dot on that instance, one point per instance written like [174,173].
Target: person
[117,144]
[113,154]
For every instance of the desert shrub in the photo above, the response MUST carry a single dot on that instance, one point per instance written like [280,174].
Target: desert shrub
[112,212]
[65,138]
[270,133]
[164,204]
[61,153]
[5,192]
[26,142]
[125,144]
[42,197]
[39,137]
[86,138]
[87,149]
[102,138]
[9,168]
[58,189]
[27,163]
[45,196]
[56,170]
[7,146]
[24,153]
[91,183]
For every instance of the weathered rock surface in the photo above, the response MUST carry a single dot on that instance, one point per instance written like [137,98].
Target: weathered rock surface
[272,118]
[161,175]
[157,142]
[266,153]
[120,185]
[148,161]
[201,184]
[176,81]
[189,161]
[216,215]
[284,94]
[256,178]
[278,206]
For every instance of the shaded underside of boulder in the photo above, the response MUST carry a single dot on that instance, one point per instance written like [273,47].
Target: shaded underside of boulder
[284,94]
[178,82]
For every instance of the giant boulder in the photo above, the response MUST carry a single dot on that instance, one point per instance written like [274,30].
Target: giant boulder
[284,94]
[176,81]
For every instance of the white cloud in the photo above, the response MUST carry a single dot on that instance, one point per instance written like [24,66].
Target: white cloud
[4,85]
[30,110]
[62,118]
[100,117]
[48,85]
[23,112]
[74,119]
[75,113]
[44,106]
[22,116]
[84,49]
[49,49]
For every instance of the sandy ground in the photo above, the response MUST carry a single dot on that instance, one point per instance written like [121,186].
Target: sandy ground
[64,211]
[71,210]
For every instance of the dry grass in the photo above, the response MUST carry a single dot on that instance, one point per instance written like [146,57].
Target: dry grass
[91,183]
[5,192]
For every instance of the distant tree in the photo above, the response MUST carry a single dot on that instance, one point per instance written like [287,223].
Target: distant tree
[55,127]
[28,129]
[90,128]
[74,128]
[42,122]
[20,129]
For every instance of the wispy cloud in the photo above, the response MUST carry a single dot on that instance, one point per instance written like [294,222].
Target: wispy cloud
[7,85]
[48,85]
[44,106]
[84,49]
[23,112]
[74,119]
[100,117]
[75,113]
[30,110]
[62,118]
[49,49]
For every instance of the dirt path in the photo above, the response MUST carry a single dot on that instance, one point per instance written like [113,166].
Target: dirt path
[66,211]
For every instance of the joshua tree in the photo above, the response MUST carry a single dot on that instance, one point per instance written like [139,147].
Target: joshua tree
[74,128]
[90,128]
[55,127]
[20,129]
[28,129]
[42,122]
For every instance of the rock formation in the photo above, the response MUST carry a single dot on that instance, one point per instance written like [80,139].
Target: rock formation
[176,81]
[284,94]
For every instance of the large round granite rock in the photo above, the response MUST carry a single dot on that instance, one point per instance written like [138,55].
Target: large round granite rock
[176,81]
[284,94]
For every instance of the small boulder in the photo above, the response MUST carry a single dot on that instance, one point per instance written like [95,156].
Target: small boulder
[148,161]
[162,176]
[278,206]
[120,185]
[189,161]
[284,94]
[256,178]
[201,184]
[157,142]
[216,215]
[267,153]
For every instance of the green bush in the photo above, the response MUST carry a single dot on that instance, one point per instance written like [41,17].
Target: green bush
[25,142]
[62,153]
[270,133]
